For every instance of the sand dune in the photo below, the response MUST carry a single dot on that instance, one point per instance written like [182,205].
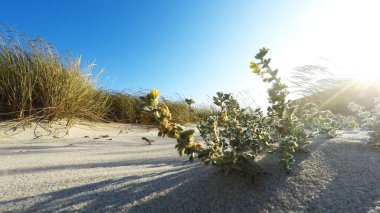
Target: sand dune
[86,171]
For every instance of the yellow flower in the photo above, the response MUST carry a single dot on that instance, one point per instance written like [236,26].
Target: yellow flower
[254,67]
[154,94]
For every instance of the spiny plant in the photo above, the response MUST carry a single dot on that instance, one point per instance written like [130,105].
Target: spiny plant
[288,129]
[160,111]
[235,137]
[316,121]
[292,124]
[364,118]
[346,122]
[368,121]
[375,127]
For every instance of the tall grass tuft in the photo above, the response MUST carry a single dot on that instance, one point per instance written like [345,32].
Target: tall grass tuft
[36,83]
[123,107]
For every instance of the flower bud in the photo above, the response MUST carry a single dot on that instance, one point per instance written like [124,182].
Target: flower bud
[254,67]
[154,94]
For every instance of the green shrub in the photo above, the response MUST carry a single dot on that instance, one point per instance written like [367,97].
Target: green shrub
[368,121]
[235,137]
[289,131]
[375,128]
[364,118]
[346,122]
[317,121]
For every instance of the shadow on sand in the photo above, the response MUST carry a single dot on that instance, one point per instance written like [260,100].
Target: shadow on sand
[197,188]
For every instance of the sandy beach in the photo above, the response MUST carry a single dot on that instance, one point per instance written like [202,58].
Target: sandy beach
[108,168]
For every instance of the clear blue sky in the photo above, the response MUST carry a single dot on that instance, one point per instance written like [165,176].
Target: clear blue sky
[194,47]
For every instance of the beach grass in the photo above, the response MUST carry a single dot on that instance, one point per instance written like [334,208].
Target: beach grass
[37,83]
[123,107]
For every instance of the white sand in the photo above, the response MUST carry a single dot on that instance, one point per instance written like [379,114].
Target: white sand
[75,173]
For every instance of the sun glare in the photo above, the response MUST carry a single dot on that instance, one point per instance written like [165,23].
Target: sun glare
[369,77]
[365,75]
[346,34]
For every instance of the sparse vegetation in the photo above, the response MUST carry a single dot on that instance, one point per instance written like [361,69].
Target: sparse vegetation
[235,137]
[364,118]
[36,84]
[368,121]
[375,128]
[340,95]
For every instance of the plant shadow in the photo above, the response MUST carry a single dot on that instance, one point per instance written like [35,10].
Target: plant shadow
[186,188]
[198,188]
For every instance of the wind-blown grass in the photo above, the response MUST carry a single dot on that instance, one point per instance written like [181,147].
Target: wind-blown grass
[315,84]
[36,83]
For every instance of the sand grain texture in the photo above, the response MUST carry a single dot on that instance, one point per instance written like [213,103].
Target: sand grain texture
[94,174]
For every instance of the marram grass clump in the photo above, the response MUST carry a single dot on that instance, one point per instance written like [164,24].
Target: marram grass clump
[122,107]
[36,83]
